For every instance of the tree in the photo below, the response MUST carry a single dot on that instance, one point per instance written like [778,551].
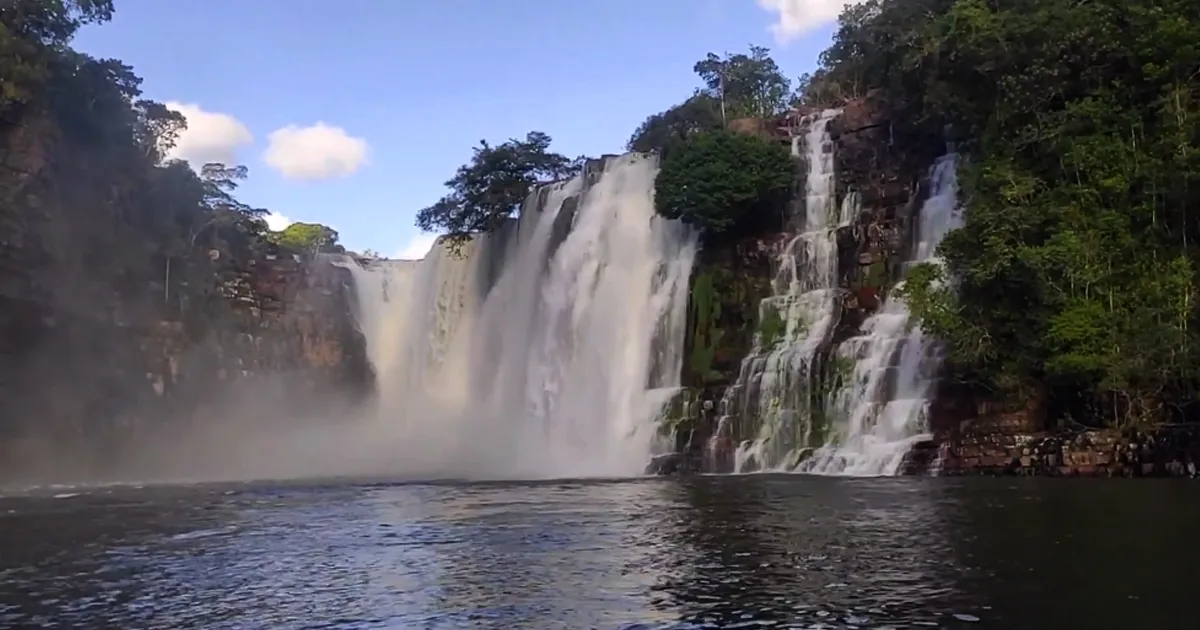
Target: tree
[309,238]
[816,89]
[721,181]
[52,22]
[746,85]
[493,185]
[137,218]
[666,131]
[220,181]
[158,128]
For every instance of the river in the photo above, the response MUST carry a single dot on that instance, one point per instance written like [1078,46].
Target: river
[707,552]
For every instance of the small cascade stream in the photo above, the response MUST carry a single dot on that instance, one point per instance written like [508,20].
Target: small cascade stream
[881,409]
[778,382]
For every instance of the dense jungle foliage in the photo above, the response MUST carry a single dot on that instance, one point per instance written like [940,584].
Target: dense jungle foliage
[1074,276]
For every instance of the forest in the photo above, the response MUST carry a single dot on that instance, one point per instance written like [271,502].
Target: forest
[1077,122]
[1073,280]
[87,187]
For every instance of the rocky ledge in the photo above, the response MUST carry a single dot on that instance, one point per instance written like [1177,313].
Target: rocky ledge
[994,442]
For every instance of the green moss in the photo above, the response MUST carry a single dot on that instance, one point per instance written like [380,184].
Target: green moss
[680,413]
[836,373]
[876,274]
[706,331]
[771,326]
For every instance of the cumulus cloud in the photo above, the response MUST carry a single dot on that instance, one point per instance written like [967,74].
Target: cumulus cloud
[209,137]
[798,17]
[277,221]
[317,152]
[417,247]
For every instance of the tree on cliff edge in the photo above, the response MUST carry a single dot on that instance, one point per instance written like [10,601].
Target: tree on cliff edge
[666,131]
[309,238]
[749,85]
[486,191]
[735,86]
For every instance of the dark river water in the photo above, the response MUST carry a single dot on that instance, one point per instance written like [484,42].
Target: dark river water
[713,552]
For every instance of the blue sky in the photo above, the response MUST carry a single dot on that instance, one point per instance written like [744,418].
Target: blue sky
[402,90]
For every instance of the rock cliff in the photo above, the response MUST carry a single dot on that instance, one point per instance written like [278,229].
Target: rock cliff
[84,370]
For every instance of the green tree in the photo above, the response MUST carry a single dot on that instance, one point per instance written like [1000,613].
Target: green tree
[747,85]
[91,154]
[666,131]
[309,238]
[52,22]
[486,191]
[722,181]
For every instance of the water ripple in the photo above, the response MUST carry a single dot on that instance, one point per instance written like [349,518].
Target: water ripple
[736,552]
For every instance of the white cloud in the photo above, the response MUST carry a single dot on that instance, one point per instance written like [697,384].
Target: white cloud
[209,137]
[798,17]
[417,247]
[314,153]
[277,221]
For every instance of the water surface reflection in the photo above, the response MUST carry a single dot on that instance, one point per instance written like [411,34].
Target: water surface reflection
[719,552]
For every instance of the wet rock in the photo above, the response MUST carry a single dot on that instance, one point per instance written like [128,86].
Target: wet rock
[673,464]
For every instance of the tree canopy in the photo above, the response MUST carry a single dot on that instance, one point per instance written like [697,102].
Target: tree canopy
[666,131]
[1079,122]
[722,180]
[747,85]
[69,117]
[309,238]
[489,189]
[733,86]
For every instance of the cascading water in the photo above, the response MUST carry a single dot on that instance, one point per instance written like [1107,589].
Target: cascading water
[382,289]
[881,410]
[546,349]
[776,382]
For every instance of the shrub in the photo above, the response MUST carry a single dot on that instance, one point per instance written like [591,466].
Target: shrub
[721,181]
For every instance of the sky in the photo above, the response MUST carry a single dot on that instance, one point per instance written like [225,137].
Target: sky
[353,113]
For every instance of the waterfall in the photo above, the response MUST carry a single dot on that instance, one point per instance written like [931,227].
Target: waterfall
[881,410]
[778,382]
[382,289]
[545,349]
